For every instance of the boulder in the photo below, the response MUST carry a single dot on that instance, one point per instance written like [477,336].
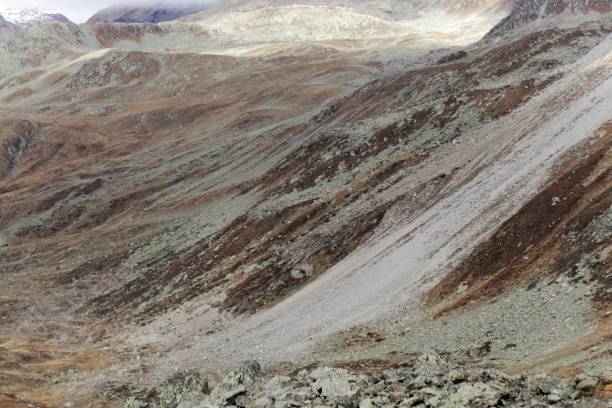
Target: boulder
[430,396]
[587,384]
[182,386]
[302,271]
[281,391]
[233,385]
[472,395]
[335,385]
[366,403]
[178,391]
[458,376]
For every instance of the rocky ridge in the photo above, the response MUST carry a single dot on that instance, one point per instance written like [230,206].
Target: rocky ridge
[429,380]
[525,12]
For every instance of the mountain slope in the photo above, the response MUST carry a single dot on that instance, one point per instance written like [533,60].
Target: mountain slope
[384,269]
[530,11]
[305,185]
[290,21]
[392,9]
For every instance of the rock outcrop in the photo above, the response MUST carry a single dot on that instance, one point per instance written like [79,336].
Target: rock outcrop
[529,11]
[431,381]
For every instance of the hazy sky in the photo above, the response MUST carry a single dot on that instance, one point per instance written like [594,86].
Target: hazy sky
[76,10]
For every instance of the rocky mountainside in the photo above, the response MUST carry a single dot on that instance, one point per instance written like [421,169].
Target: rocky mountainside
[366,198]
[392,9]
[147,13]
[290,21]
[389,10]
[533,11]
[428,380]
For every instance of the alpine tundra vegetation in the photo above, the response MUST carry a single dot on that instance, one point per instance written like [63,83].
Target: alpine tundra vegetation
[307,203]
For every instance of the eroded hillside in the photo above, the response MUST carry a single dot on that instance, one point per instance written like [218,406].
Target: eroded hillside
[262,182]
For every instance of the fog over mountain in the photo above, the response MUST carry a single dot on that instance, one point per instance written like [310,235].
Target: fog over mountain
[148,11]
[79,11]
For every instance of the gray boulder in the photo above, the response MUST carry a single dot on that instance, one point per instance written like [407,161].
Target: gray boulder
[182,386]
[336,386]
[281,392]
[474,395]
[233,385]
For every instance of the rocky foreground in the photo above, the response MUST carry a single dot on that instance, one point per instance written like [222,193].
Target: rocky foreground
[430,381]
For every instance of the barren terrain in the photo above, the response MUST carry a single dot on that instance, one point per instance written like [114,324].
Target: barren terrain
[304,184]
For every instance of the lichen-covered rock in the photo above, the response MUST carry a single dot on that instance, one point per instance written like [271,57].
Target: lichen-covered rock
[281,391]
[474,395]
[335,385]
[431,382]
[431,364]
[182,386]
[233,385]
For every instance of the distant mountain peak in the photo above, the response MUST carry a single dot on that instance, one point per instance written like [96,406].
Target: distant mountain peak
[27,16]
[148,12]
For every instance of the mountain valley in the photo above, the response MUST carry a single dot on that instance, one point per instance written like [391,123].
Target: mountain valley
[381,202]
